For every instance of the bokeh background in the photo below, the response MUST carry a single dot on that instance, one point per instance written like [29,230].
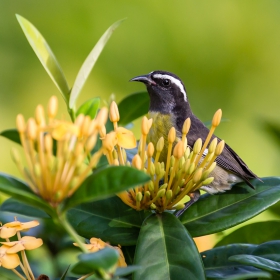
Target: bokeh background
[226,52]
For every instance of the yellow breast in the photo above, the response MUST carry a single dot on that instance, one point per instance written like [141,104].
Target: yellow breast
[162,123]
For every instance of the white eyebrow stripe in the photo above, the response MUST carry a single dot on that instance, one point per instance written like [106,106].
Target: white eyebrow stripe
[173,81]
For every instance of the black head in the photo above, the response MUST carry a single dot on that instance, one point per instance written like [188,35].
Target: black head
[166,91]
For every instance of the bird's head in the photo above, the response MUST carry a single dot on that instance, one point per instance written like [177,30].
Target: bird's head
[166,91]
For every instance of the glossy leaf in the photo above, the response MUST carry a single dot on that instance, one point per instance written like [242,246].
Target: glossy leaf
[93,262]
[19,191]
[214,213]
[11,134]
[89,63]
[133,106]
[45,55]
[269,250]
[258,262]
[247,234]
[106,182]
[18,207]
[109,219]
[165,250]
[89,108]
[217,265]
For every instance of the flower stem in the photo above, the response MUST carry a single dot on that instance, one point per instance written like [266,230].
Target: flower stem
[18,274]
[72,232]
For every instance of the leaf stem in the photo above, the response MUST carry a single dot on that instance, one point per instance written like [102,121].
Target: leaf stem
[72,232]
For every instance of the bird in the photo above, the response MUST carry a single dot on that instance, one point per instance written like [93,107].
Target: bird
[170,107]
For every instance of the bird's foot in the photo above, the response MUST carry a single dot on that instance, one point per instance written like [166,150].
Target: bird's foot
[194,197]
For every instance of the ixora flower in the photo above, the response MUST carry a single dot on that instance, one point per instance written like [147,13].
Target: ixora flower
[25,243]
[8,260]
[186,170]
[10,229]
[56,151]
[97,244]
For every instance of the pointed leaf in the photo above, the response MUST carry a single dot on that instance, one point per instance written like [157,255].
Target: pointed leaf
[65,273]
[217,265]
[133,106]
[89,108]
[14,206]
[123,271]
[89,63]
[109,219]
[247,234]
[20,191]
[258,262]
[11,134]
[93,262]
[225,210]
[45,55]
[106,182]
[165,250]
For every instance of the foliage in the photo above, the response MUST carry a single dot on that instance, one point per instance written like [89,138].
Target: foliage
[155,245]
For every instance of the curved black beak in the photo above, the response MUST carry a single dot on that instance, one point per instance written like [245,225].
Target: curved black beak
[146,79]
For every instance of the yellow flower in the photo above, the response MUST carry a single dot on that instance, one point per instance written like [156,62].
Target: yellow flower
[25,243]
[97,244]
[185,171]
[8,260]
[10,229]
[56,173]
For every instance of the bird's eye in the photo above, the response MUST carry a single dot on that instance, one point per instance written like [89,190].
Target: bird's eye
[165,82]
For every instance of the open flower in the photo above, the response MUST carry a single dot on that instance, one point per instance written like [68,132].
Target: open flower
[10,229]
[25,243]
[56,151]
[97,244]
[8,260]
[185,171]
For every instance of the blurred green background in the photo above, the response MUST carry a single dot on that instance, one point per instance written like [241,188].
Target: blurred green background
[226,52]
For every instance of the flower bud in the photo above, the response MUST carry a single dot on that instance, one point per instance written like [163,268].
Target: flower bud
[150,149]
[114,112]
[160,144]
[186,126]
[178,151]
[152,169]
[102,117]
[158,168]
[212,146]
[217,118]
[197,175]
[179,206]
[160,193]
[207,181]
[171,135]
[219,148]
[147,194]
[39,115]
[20,122]
[169,195]
[31,129]
[151,186]
[137,162]
[197,146]
[139,196]
[146,125]
[164,186]
[52,107]
[153,206]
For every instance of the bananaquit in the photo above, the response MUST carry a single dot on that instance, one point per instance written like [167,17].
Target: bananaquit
[169,106]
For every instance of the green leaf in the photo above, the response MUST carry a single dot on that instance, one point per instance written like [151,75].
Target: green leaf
[19,191]
[65,273]
[93,262]
[217,265]
[225,210]
[106,182]
[133,106]
[165,250]
[258,262]
[14,206]
[269,250]
[123,271]
[129,252]
[89,108]
[11,134]
[89,63]
[45,55]
[109,219]
[247,234]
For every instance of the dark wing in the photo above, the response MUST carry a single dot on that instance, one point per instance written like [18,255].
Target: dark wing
[228,160]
